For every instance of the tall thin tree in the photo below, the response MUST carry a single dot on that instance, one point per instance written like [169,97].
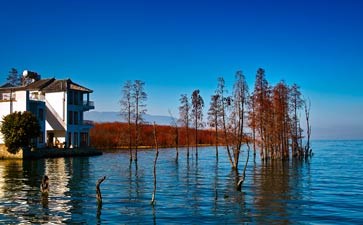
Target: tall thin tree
[174,124]
[127,110]
[197,115]
[213,117]
[225,105]
[307,106]
[139,97]
[184,113]
[237,117]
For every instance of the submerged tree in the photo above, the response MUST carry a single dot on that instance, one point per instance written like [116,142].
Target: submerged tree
[133,108]
[281,130]
[261,100]
[197,115]
[139,96]
[237,117]
[155,162]
[174,124]
[213,117]
[184,112]
[296,103]
[307,106]
[127,110]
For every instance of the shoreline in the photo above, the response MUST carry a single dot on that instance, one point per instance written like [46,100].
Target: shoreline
[49,153]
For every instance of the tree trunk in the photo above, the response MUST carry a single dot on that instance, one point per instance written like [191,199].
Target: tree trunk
[98,191]
[240,182]
[155,161]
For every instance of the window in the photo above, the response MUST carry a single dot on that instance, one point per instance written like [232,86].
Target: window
[75,117]
[70,117]
[41,114]
[70,97]
[75,140]
[81,118]
[75,97]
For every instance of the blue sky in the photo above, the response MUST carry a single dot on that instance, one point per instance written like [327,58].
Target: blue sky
[179,46]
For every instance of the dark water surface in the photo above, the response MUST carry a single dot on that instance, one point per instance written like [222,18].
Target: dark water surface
[327,189]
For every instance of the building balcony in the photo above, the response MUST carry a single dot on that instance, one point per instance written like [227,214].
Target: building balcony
[88,123]
[36,97]
[88,105]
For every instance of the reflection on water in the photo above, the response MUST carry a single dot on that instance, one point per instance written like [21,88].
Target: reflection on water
[195,190]
[277,184]
[20,181]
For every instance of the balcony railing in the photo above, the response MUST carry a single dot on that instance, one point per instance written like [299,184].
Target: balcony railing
[36,97]
[88,122]
[87,105]
[6,97]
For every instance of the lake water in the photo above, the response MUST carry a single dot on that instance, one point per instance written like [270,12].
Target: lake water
[327,189]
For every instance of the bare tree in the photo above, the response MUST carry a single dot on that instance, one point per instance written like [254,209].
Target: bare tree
[296,103]
[307,106]
[155,161]
[127,110]
[139,97]
[197,115]
[225,104]
[184,113]
[238,114]
[213,117]
[174,124]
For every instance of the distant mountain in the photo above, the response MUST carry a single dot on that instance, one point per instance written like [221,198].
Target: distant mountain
[116,117]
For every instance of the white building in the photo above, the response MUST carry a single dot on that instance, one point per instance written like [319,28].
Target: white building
[59,107]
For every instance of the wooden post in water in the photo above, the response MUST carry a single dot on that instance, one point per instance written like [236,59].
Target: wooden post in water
[156,158]
[98,191]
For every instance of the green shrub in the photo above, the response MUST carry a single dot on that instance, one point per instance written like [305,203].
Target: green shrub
[18,129]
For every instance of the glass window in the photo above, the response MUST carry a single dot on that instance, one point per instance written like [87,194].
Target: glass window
[41,114]
[70,117]
[75,117]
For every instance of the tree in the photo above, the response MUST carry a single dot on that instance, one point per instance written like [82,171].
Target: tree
[139,97]
[281,130]
[133,108]
[197,115]
[296,103]
[174,124]
[184,112]
[307,106]
[18,129]
[225,104]
[127,110]
[13,77]
[237,117]
[213,117]
[261,102]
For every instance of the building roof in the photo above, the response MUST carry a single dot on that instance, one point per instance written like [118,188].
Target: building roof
[7,85]
[47,85]
[39,84]
[63,85]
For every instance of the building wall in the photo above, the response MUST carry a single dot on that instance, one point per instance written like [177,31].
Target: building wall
[18,104]
[21,103]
